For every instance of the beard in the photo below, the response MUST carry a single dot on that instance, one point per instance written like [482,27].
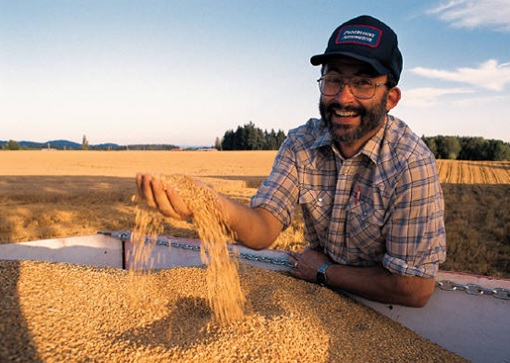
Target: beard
[370,119]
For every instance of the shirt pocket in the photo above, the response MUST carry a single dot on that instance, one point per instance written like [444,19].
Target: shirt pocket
[317,205]
[364,228]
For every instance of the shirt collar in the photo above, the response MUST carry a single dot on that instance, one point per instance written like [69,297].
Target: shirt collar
[370,149]
[323,136]
[373,146]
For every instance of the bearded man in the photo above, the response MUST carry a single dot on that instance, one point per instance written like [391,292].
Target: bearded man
[368,186]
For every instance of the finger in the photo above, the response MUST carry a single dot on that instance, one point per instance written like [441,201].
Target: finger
[139,182]
[293,260]
[167,209]
[161,201]
[294,255]
[168,202]
[139,186]
[177,203]
[295,270]
[143,182]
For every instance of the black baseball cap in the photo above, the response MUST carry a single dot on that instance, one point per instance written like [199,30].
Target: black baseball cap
[366,39]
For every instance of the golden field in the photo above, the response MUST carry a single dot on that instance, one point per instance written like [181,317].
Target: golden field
[474,172]
[46,194]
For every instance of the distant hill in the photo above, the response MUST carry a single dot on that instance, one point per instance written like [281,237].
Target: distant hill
[70,145]
[54,144]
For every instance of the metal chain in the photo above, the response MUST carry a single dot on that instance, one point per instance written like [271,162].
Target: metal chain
[271,260]
[246,256]
[473,289]
[446,285]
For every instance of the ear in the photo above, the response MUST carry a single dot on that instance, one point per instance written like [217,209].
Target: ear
[392,98]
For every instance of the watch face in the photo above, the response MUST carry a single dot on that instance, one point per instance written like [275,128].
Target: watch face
[321,278]
[321,273]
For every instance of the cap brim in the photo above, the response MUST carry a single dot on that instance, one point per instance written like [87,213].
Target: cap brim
[323,58]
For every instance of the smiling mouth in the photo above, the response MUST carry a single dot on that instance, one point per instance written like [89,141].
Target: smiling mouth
[341,113]
[344,112]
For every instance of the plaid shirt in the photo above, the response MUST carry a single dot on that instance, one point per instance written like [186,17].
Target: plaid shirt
[383,206]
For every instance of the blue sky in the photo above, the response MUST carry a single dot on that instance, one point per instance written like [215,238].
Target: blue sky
[184,72]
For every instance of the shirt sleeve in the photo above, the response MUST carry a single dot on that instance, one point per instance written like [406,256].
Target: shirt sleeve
[415,232]
[278,193]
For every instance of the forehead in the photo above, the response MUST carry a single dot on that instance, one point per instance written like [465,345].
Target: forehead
[349,66]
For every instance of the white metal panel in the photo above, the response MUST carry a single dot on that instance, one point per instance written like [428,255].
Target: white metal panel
[154,256]
[92,250]
[474,327]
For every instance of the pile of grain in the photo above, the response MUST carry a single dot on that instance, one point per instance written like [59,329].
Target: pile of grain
[63,313]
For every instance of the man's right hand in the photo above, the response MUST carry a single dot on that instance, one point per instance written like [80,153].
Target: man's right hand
[162,197]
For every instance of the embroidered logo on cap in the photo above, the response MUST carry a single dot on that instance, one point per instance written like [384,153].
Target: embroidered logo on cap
[359,34]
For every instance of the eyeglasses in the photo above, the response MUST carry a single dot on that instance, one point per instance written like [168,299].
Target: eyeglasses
[360,87]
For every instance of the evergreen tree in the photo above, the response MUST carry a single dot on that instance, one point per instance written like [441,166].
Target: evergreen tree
[467,148]
[250,137]
[499,150]
[228,140]
[84,143]
[11,145]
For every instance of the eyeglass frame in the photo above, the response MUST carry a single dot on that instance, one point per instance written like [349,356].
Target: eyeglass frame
[348,81]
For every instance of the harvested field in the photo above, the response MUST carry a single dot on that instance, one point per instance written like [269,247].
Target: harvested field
[47,194]
[477,219]
[474,172]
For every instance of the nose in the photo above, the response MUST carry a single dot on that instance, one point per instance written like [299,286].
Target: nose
[344,95]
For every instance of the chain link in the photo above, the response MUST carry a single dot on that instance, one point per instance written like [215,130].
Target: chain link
[473,289]
[446,285]
[271,260]
[246,256]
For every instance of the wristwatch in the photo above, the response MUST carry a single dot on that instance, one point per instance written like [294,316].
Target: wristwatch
[321,273]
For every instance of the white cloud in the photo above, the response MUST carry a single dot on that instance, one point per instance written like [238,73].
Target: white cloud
[489,75]
[427,97]
[475,14]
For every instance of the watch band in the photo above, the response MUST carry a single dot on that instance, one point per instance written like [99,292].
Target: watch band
[321,273]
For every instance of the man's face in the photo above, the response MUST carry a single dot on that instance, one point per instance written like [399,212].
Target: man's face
[348,118]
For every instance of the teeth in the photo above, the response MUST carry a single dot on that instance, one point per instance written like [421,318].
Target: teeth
[345,114]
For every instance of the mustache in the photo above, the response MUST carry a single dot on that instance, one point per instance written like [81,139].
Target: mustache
[335,106]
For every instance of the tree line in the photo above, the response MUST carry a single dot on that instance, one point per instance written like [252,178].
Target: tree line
[69,145]
[250,137]
[467,148]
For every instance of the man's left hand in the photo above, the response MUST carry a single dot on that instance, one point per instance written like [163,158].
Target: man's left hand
[307,263]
